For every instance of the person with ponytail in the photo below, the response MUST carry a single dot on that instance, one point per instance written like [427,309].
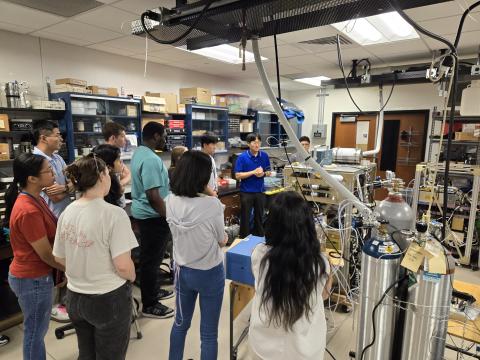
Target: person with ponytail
[291,281]
[94,240]
[32,232]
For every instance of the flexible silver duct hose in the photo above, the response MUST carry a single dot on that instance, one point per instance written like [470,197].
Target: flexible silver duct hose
[335,184]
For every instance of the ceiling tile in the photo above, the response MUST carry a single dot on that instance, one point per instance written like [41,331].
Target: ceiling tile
[174,54]
[398,47]
[15,28]
[134,44]
[448,25]
[301,60]
[139,6]
[24,16]
[77,30]
[283,51]
[111,50]
[108,17]
[347,55]
[435,11]
[60,37]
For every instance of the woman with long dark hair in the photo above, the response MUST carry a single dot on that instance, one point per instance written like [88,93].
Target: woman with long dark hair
[111,155]
[32,233]
[93,240]
[196,223]
[291,282]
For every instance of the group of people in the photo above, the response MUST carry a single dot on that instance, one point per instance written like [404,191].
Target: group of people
[90,239]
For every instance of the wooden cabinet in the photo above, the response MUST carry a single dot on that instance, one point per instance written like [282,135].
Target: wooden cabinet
[232,205]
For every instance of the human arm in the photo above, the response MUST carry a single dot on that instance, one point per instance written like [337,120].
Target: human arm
[124,266]
[210,192]
[328,284]
[156,201]
[218,225]
[125,176]
[122,240]
[44,250]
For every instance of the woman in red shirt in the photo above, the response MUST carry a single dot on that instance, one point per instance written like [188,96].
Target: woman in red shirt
[32,231]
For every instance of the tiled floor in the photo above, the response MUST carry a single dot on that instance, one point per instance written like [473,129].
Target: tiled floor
[154,345]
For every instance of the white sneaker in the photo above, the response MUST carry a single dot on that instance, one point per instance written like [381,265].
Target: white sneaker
[59,313]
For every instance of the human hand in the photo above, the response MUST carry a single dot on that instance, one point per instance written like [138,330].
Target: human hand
[259,172]
[224,242]
[55,189]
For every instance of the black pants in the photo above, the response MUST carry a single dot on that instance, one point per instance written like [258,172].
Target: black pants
[154,236]
[249,201]
[102,323]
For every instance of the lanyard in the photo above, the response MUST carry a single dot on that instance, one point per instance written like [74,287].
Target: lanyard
[44,207]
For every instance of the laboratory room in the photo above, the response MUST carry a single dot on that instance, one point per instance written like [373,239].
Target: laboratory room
[239,180]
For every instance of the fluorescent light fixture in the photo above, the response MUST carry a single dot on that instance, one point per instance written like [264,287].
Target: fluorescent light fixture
[225,53]
[315,81]
[378,29]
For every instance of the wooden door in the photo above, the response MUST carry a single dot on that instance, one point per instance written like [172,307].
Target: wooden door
[410,142]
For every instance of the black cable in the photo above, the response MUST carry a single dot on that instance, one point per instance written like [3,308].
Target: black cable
[278,70]
[169,42]
[374,311]
[462,21]
[329,353]
[345,78]
[398,8]
[340,64]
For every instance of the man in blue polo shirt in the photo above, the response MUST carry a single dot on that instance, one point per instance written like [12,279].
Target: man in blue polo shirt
[251,168]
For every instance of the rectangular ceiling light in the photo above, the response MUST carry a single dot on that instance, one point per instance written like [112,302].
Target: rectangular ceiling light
[378,29]
[225,53]
[315,81]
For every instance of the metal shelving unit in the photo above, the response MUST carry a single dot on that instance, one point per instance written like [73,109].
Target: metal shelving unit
[201,119]
[85,130]
[459,147]
[461,171]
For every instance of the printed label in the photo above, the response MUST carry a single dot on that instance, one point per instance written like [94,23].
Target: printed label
[431,277]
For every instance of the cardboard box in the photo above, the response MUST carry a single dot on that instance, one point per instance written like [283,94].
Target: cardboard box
[71,81]
[181,108]
[239,262]
[4,151]
[466,136]
[99,90]
[70,88]
[4,125]
[170,100]
[470,128]
[153,104]
[48,105]
[201,95]
[146,121]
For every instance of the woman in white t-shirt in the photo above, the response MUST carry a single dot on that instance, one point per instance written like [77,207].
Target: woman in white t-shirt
[291,282]
[94,240]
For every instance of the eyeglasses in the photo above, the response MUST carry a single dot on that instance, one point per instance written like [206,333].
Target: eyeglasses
[49,170]
[59,136]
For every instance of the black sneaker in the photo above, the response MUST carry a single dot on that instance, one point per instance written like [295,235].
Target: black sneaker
[4,340]
[165,294]
[158,311]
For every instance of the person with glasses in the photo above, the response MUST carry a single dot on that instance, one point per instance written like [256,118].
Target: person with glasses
[48,141]
[251,168]
[32,232]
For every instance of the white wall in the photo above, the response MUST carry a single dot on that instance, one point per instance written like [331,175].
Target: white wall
[404,97]
[31,59]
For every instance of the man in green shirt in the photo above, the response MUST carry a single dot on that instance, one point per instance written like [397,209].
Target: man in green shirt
[150,186]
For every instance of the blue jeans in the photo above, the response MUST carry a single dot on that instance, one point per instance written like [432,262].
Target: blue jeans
[35,296]
[209,284]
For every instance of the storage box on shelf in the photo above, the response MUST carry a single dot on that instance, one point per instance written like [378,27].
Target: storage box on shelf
[87,114]
[170,100]
[201,119]
[465,144]
[16,125]
[201,96]
[236,103]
